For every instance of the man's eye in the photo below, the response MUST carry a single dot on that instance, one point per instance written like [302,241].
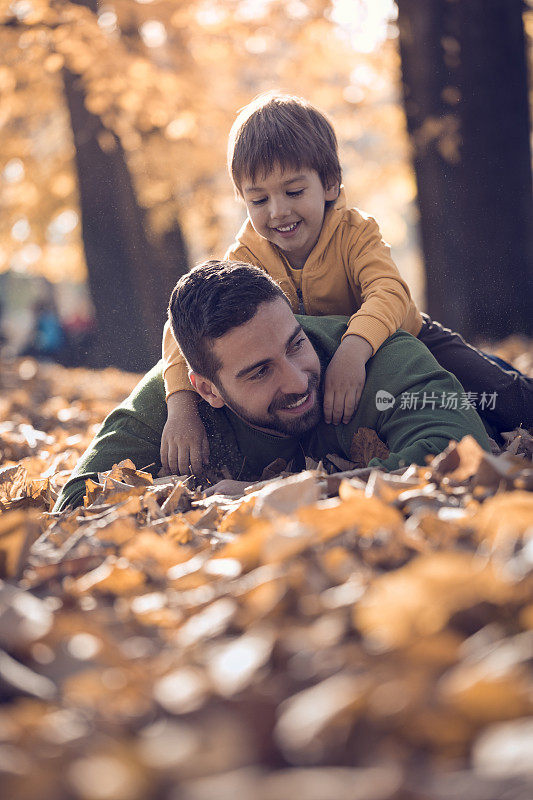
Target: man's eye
[260,373]
[297,345]
[296,193]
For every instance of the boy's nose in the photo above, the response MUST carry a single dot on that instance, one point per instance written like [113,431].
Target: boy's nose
[279,209]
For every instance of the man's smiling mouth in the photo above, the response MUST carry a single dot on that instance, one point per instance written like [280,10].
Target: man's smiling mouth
[296,405]
[300,406]
[299,402]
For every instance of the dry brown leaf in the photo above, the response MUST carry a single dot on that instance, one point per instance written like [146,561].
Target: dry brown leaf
[503,751]
[289,540]
[23,618]
[234,664]
[460,461]
[484,695]
[211,621]
[364,515]
[12,482]
[114,694]
[504,472]
[274,469]
[240,518]
[419,598]
[148,547]
[319,712]
[178,500]
[365,446]
[341,464]
[382,485]
[114,576]
[286,495]
[178,530]
[247,547]
[116,531]
[126,472]
[519,442]
[18,530]
[182,691]
[505,517]
[264,598]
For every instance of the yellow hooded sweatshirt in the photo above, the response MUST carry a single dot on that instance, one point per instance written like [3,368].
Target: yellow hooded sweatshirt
[349,271]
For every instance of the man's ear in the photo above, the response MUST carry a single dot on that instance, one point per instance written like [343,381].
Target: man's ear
[207,390]
[332,192]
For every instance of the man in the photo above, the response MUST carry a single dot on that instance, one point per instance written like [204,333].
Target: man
[257,369]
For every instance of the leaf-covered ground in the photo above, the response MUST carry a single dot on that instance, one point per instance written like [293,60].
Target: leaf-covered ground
[323,636]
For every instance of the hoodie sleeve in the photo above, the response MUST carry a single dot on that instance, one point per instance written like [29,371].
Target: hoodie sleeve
[132,430]
[175,370]
[385,297]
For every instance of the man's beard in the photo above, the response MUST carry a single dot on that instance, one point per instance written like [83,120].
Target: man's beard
[272,420]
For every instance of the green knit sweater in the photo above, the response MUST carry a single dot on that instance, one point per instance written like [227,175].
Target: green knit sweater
[420,421]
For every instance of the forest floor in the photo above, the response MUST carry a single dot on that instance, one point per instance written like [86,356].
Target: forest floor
[322,636]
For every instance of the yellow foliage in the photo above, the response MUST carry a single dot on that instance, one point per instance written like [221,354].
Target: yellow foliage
[364,515]
[172,112]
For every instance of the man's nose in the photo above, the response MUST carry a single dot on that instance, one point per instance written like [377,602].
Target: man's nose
[294,380]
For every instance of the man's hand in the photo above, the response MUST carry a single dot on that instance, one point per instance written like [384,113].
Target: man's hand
[345,379]
[184,440]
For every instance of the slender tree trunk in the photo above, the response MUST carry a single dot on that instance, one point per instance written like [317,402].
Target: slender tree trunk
[465,92]
[130,276]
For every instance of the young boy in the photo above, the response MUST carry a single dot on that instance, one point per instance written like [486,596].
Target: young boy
[328,259]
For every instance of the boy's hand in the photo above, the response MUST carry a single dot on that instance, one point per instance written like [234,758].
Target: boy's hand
[345,378]
[184,440]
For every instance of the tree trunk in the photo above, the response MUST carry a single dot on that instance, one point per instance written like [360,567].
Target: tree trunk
[130,276]
[465,93]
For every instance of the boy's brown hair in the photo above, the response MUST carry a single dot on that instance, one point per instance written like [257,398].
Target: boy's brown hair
[286,131]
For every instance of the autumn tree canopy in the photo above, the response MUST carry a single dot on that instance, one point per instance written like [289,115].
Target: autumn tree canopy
[162,82]
[166,78]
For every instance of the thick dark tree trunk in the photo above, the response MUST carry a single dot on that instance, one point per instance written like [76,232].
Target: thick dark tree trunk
[130,276]
[465,90]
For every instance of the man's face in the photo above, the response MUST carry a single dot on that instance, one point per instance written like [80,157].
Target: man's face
[270,372]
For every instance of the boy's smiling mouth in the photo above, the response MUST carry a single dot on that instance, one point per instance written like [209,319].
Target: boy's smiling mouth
[287,228]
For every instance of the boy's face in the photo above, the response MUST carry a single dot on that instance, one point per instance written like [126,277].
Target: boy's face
[287,208]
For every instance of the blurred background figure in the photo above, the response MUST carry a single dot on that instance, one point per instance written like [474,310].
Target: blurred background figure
[49,337]
[45,320]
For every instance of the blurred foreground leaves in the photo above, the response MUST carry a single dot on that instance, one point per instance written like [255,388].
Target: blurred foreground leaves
[321,636]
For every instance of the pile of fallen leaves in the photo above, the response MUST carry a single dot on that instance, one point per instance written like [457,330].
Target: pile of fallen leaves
[348,636]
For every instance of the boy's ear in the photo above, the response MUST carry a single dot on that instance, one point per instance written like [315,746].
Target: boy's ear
[207,390]
[332,192]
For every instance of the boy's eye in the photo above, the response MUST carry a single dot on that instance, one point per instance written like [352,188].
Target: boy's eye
[259,202]
[295,193]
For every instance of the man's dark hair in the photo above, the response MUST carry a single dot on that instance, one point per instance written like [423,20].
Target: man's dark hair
[212,299]
[285,131]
